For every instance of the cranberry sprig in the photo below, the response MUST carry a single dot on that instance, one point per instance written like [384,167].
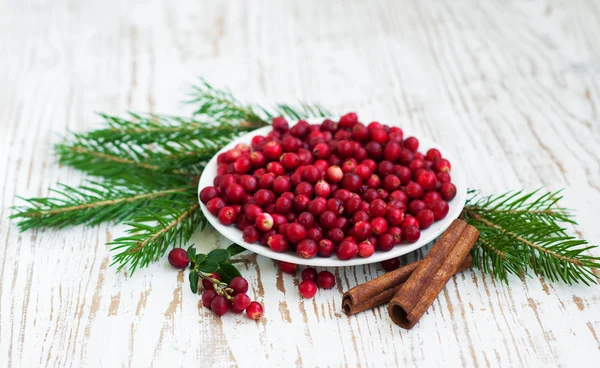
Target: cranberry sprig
[224,287]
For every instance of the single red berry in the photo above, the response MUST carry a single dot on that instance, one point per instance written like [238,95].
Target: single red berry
[378,208]
[307,288]
[351,182]
[301,203]
[411,143]
[242,165]
[409,221]
[219,305]
[207,297]
[442,165]
[394,216]
[272,150]
[227,215]
[349,165]
[264,222]
[396,232]
[322,189]
[414,190]
[306,248]
[252,211]
[427,180]
[295,233]
[327,219]
[448,191]
[234,193]
[306,219]
[304,188]
[309,274]
[325,247]
[215,205]
[440,209]
[412,234]
[178,258]
[433,154]
[363,171]
[425,218]
[431,196]
[281,184]
[385,168]
[325,280]
[362,230]
[208,193]
[415,206]
[283,205]
[347,250]
[278,242]
[238,285]
[257,159]
[250,234]
[241,302]
[288,267]
[379,136]
[321,150]
[254,310]
[314,234]
[386,242]
[280,124]
[379,225]
[265,180]
[443,177]
[264,197]
[391,264]
[334,174]
[366,249]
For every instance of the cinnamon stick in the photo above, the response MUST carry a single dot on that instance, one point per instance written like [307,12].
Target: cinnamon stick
[430,276]
[381,289]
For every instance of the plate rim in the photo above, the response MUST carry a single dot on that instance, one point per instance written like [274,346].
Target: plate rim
[427,236]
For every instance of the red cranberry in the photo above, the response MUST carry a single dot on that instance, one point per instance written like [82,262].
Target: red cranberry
[442,165]
[380,225]
[425,218]
[307,288]
[345,149]
[264,222]
[391,264]
[396,232]
[409,221]
[219,305]
[277,243]
[379,136]
[309,274]
[336,235]
[232,155]
[412,234]
[301,203]
[306,219]
[208,193]
[317,206]
[386,242]
[264,197]
[305,156]
[314,234]
[427,180]
[440,209]
[394,216]
[360,216]
[391,182]
[178,258]
[281,184]
[254,311]
[342,194]
[311,174]
[416,167]
[431,196]
[234,193]
[378,208]
[208,285]
[325,248]
[325,280]
[266,181]
[240,302]
[448,191]
[288,267]
[307,249]
[415,206]
[304,188]
[335,205]
[327,219]
[272,150]
[385,168]
[351,182]
[366,249]
[227,215]
[443,177]
[347,250]
[334,174]
[250,234]
[322,189]
[242,165]
[207,297]
[391,151]
[283,205]
[353,205]
[249,183]
[280,124]
[362,230]
[295,233]
[239,285]
[411,143]
[257,159]
[252,211]
[414,190]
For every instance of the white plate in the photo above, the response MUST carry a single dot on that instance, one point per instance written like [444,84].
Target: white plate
[232,233]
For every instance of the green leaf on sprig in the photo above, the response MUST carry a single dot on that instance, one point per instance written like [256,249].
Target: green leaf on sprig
[200,258]
[194,277]
[218,255]
[235,249]
[208,266]
[191,253]
[227,271]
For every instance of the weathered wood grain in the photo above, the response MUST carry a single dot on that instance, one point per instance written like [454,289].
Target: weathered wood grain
[512,88]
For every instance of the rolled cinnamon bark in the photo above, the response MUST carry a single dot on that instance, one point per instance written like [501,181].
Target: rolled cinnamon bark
[381,289]
[431,275]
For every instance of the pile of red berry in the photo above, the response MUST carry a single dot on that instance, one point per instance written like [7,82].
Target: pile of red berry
[310,279]
[335,187]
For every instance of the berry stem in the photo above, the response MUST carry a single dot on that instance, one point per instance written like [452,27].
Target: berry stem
[221,288]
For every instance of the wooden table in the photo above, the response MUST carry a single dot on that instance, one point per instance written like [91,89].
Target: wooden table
[513,89]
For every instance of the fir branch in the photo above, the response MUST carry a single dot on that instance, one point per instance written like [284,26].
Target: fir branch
[157,227]
[524,232]
[91,204]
